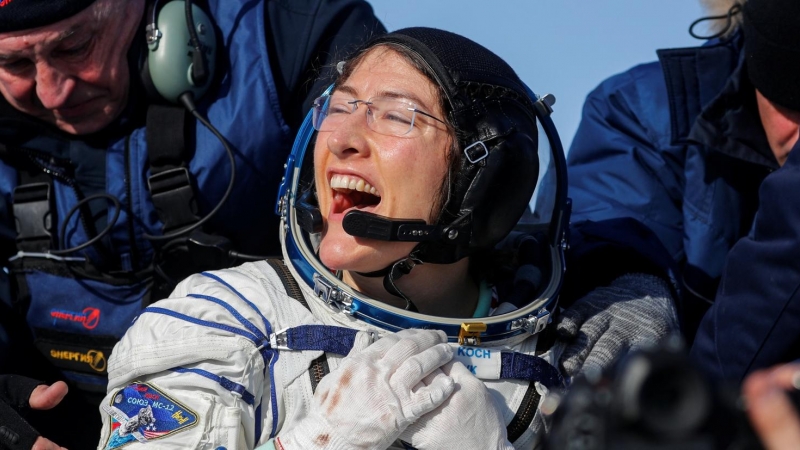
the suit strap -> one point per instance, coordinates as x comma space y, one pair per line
319, 367
170, 183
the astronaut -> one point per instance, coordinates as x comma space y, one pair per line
383, 326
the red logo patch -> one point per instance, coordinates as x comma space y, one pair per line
92, 318
89, 317
5, 3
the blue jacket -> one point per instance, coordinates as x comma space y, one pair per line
755, 320
271, 63
674, 147
77, 304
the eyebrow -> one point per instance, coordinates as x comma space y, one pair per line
404, 95
346, 89
60, 38
71, 31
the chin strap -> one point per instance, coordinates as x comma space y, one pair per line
398, 269
372, 226
394, 272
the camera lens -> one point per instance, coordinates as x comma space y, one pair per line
665, 396
674, 402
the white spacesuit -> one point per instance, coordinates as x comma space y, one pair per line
160, 343
238, 358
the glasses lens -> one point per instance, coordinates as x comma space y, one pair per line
391, 117
319, 112
388, 116
330, 112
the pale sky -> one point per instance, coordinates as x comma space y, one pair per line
563, 47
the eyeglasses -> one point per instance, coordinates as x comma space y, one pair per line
385, 115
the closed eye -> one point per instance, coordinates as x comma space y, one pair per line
397, 116
15, 65
340, 108
75, 51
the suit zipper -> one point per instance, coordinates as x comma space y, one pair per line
319, 367
525, 413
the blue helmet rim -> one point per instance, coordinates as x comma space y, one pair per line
524, 320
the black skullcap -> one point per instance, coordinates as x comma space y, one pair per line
496, 129
456, 61
772, 49
16, 15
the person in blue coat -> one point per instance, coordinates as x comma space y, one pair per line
667, 165
674, 149
141, 141
755, 320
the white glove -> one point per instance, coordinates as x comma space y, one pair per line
467, 419
375, 394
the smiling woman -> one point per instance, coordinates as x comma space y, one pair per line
404, 160
380, 331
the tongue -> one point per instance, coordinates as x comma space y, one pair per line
341, 202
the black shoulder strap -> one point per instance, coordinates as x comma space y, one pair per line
33, 204
170, 182
319, 367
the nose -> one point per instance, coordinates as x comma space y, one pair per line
53, 86
350, 137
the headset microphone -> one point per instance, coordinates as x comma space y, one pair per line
372, 226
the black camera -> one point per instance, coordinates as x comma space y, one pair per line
652, 399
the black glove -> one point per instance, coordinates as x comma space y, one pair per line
15, 432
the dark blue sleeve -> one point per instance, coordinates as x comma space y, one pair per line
621, 163
8, 179
602, 251
8, 233
305, 40
755, 320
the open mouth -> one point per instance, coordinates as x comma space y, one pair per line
352, 192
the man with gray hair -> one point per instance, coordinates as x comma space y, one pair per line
134, 135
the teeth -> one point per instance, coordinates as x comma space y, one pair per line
352, 183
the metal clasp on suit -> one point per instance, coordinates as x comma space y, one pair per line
470, 333
283, 207
534, 323
332, 295
280, 340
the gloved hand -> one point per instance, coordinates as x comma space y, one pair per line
467, 419
17, 395
375, 394
634, 310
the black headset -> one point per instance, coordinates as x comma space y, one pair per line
179, 68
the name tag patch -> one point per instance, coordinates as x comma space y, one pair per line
484, 363
140, 412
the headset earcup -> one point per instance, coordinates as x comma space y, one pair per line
167, 69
